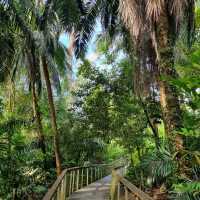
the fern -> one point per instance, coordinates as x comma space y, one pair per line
161, 165
187, 191
187, 187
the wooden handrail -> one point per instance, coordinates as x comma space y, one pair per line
122, 188
78, 177
56, 184
72, 179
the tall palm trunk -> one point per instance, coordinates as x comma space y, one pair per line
53, 115
168, 94
39, 122
135, 17
36, 109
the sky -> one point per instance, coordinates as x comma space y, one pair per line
91, 54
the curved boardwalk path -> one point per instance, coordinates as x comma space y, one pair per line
69, 181
98, 190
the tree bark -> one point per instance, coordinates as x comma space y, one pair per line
169, 100
135, 19
37, 115
53, 115
36, 109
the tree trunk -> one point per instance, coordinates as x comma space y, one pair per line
168, 94
36, 109
53, 116
37, 115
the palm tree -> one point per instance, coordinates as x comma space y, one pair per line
10, 64
160, 22
35, 80
153, 27
53, 115
41, 40
46, 25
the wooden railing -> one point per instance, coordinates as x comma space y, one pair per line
72, 179
122, 189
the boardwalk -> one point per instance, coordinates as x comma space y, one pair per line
96, 191
71, 179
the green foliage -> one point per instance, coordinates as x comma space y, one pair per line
20, 163
114, 151
187, 191
101, 119
187, 187
161, 165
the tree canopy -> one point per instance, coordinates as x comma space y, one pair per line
138, 97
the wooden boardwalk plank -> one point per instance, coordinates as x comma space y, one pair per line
99, 190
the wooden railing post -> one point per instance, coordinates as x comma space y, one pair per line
77, 180
98, 174
62, 190
58, 193
65, 187
91, 175
82, 174
73, 180
95, 177
118, 191
87, 176
130, 191
126, 193
70, 183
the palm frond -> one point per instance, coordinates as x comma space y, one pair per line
69, 12
109, 16
54, 73
186, 191
178, 8
190, 19
86, 27
183, 18
161, 165
154, 9
44, 18
81, 6
132, 15
60, 58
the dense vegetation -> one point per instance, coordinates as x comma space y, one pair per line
139, 98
